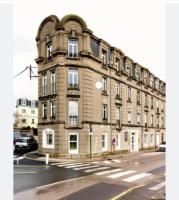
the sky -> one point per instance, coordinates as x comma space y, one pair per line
137, 28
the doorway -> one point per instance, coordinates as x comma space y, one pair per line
134, 142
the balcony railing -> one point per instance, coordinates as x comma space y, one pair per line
73, 86
73, 120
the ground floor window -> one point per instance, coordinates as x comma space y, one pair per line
152, 138
73, 143
104, 142
48, 138
118, 141
145, 138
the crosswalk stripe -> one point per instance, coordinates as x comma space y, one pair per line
96, 169
95, 162
79, 165
117, 161
120, 174
60, 163
158, 186
63, 165
136, 177
109, 171
107, 162
88, 167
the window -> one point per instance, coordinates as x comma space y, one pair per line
73, 112
44, 84
162, 119
118, 117
33, 121
33, 112
129, 94
73, 48
23, 110
128, 69
151, 81
104, 56
152, 138
117, 64
73, 143
24, 121
73, 78
157, 121
157, 84
23, 102
133, 71
145, 118
146, 102
152, 120
138, 97
145, 138
152, 102
53, 82
138, 118
129, 117
53, 109
104, 142
157, 103
44, 110
118, 141
104, 112
104, 84
33, 104
48, 138
117, 89
137, 75
126, 136
49, 50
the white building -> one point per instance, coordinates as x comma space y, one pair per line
26, 113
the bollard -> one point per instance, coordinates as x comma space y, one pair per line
47, 157
17, 162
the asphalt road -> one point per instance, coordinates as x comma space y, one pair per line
36, 175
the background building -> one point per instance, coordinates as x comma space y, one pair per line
26, 113
127, 113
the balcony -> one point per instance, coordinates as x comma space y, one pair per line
104, 92
73, 86
73, 120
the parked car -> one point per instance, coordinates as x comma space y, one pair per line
27, 143
162, 146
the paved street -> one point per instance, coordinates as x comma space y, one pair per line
131, 177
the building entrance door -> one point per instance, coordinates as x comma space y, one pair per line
134, 142
157, 139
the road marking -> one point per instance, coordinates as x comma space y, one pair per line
117, 161
25, 172
96, 169
107, 162
61, 163
69, 164
126, 192
158, 186
88, 167
80, 165
51, 184
31, 166
95, 162
19, 158
109, 171
120, 174
136, 177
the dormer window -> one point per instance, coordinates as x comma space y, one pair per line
128, 69
104, 56
73, 48
49, 50
117, 64
151, 81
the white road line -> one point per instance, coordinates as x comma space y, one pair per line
88, 167
95, 162
69, 180
158, 186
19, 158
60, 163
68, 164
120, 174
96, 169
117, 161
80, 165
136, 177
107, 162
109, 171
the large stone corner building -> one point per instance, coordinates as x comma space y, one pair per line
78, 119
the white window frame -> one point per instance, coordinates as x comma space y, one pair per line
53, 82
70, 102
44, 85
43, 109
145, 139
105, 142
73, 151
157, 103
49, 50
32, 112
104, 81
23, 102
129, 117
53, 107
145, 117
117, 64
44, 138
152, 139
73, 44
117, 113
118, 141
138, 118
118, 88
73, 73
104, 56
129, 93
104, 112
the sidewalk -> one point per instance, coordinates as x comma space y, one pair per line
35, 156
